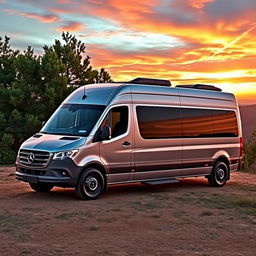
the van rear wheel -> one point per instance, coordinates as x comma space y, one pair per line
219, 175
90, 185
41, 187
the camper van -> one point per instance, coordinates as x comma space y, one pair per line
143, 131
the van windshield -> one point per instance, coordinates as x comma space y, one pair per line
73, 119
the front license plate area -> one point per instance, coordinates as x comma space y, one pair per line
30, 179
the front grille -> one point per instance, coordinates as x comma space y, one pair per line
34, 158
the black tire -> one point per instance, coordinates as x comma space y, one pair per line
41, 187
90, 185
219, 175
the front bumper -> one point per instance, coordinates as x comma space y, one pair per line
63, 173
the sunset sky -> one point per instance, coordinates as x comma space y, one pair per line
184, 41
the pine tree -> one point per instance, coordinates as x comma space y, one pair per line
32, 87
7, 77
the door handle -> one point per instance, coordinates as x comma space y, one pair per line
126, 143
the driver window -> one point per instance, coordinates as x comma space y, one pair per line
117, 120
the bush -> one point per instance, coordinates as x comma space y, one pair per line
7, 155
250, 154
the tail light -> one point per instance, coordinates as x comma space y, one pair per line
241, 153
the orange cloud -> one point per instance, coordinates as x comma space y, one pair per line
71, 27
231, 75
125, 10
47, 18
216, 41
142, 6
199, 3
190, 24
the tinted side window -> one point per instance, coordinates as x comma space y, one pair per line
159, 122
208, 123
171, 122
197, 122
225, 123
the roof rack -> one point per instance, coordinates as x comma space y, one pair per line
151, 81
200, 86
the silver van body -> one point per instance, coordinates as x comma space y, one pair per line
151, 148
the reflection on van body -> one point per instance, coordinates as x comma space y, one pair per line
139, 131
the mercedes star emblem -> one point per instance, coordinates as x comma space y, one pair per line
31, 158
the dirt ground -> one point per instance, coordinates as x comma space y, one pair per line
186, 218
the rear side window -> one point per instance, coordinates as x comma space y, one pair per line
208, 123
197, 122
172, 122
159, 122
225, 123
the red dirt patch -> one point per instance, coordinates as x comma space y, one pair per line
187, 218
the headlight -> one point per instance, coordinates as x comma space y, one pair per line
65, 154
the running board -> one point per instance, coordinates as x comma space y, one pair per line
159, 182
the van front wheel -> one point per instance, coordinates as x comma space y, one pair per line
219, 175
90, 185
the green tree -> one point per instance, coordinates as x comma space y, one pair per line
23, 117
100, 77
32, 87
7, 66
7, 77
54, 88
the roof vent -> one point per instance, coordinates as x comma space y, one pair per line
151, 81
200, 86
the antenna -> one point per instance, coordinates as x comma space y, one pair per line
84, 95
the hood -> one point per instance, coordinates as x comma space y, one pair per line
53, 143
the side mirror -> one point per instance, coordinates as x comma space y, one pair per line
105, 133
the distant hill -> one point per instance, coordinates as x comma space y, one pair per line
248, 116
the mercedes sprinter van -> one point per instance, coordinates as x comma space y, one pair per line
139, 131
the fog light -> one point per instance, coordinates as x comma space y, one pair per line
64, 173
